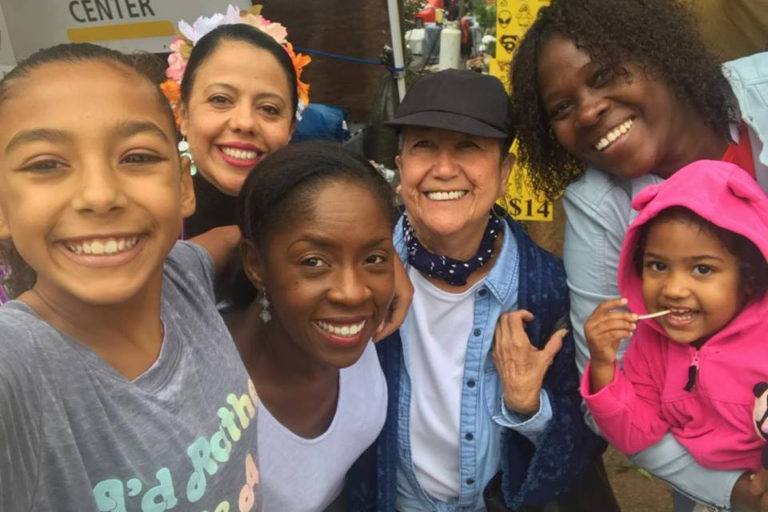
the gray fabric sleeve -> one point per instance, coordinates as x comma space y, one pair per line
20, 406
670, 461
594, 231
189, 258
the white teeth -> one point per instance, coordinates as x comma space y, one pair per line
446, 196
240, 154
103, 247
682, 313
346, 331
613, 135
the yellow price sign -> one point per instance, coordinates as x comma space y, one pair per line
513, 18
520, 200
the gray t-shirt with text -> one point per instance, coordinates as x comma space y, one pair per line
77, 436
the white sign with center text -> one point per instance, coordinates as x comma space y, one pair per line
126, 25
7, 58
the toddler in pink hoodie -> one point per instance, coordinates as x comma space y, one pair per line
697, 251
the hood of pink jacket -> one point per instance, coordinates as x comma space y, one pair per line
720, 192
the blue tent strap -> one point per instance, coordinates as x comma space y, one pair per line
347, 58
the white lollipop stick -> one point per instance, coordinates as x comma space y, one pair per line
654, 315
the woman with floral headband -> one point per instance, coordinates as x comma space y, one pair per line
235, 84
233, 81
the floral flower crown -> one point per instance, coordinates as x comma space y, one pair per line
181, 48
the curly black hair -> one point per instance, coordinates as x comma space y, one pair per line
658, 35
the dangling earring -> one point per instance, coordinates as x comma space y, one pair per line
185, 152
264, 314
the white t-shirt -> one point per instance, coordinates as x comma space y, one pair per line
437, 328
306, 475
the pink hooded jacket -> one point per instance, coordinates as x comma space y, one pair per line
646, 399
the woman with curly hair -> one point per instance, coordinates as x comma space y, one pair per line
612, 96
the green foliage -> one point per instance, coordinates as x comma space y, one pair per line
485, 15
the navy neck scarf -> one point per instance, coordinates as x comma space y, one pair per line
453, 272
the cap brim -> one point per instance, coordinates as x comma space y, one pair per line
448, 121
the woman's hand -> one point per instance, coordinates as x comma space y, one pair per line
750, 493
522, 366
400, 304
758, 487
220, 243
604, 329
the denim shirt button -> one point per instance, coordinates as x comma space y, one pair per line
483, 292
477, 332
470, 481
471, 383
469, 436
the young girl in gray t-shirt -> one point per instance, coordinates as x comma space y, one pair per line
120, 387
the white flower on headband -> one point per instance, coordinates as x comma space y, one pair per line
203, 24
300, 106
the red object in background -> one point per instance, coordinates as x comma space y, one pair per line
427, 15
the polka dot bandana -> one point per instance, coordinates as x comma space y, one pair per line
453, 272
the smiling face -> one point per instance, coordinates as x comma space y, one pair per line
687, 269
239, 111
626, 125
329, 275
90, 183
449, 181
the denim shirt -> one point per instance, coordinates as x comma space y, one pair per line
483, 414
531, 474
599, 212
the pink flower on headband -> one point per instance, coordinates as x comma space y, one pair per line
275, 30
176, 62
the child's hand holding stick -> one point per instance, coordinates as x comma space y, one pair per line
604, 329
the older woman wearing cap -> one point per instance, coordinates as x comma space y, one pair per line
469, 410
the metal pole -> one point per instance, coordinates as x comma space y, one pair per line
397, 45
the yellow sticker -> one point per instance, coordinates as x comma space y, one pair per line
513, 18
501, 70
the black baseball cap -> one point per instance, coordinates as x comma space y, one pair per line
457, 100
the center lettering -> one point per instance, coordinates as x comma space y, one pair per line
85, 11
